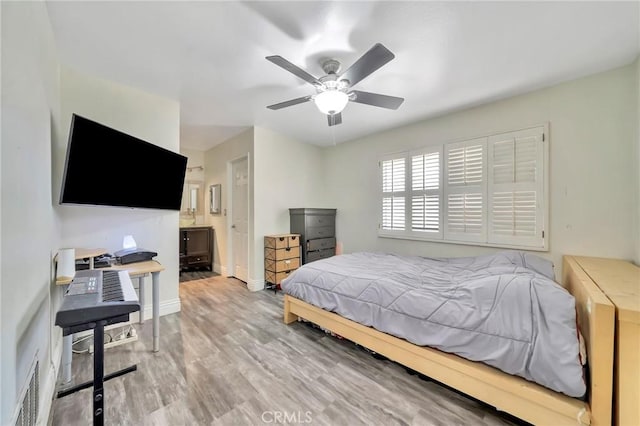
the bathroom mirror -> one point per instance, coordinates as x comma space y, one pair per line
215, 198
192, 198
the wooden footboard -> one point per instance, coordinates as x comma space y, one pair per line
512, 394
596, 321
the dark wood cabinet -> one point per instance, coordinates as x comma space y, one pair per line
196, 247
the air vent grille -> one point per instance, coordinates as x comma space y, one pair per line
29, 411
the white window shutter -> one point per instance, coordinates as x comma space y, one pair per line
393, 185
516, 188
426, 192
465, 189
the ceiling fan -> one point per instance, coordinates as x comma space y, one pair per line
334, 91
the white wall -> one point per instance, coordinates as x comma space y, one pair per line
145, 116
637, 165
284, 174
29, 228
288, 174
593, 122
215, 166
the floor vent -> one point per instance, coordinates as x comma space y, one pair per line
29, 411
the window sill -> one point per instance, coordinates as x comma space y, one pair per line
465, 243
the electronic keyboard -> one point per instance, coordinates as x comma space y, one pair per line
96, 295
94, 299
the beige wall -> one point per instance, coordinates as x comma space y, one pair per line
593, 125
151, 118
215, 165
288, 174
29, 228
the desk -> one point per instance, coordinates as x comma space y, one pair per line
136, 270
82, 253
140, 270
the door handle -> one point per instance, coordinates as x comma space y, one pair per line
233, 227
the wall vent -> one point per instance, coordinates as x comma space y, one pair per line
30, 401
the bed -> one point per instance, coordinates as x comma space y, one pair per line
313, 287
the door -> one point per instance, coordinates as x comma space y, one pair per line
197, 242
240, 218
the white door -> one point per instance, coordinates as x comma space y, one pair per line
240, 218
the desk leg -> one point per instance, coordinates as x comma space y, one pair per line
141, 297
155, 279
66, 358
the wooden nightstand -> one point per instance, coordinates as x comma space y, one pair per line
281, 257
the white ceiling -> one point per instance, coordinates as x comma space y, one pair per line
449, 55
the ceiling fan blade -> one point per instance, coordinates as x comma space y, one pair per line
291, 102
334, 119
375, 99
376, 57
294, 69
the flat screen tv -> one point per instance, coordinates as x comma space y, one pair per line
106, 167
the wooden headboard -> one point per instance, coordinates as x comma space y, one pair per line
596, 321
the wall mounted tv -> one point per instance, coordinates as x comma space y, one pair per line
106, 167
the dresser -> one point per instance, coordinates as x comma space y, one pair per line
196, 247
619, 280
317, 229
281, 257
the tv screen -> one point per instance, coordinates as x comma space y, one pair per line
106, 167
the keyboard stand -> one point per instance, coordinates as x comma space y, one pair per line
98, 370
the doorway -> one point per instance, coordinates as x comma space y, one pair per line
238, 219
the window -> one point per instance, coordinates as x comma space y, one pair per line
516, 188
393, 193
486, 191
426, 193
465, 188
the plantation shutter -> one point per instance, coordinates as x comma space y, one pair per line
426, 192
516, 188
394, 176
465, 189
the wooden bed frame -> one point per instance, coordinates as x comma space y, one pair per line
517, 396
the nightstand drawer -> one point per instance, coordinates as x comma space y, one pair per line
276, 277
282, 254
282, 265
282, 241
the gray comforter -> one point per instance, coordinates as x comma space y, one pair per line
504, 310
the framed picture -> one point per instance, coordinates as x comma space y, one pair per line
215, 197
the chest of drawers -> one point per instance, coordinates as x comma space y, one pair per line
317, 229
281, 257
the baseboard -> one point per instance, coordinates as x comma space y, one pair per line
219, 269
166, 307
47, 395
49, 387
255, 285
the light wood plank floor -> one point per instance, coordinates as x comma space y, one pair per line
227, 359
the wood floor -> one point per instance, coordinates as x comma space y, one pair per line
227, 359
196, 274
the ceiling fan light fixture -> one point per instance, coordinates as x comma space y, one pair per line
331, 101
